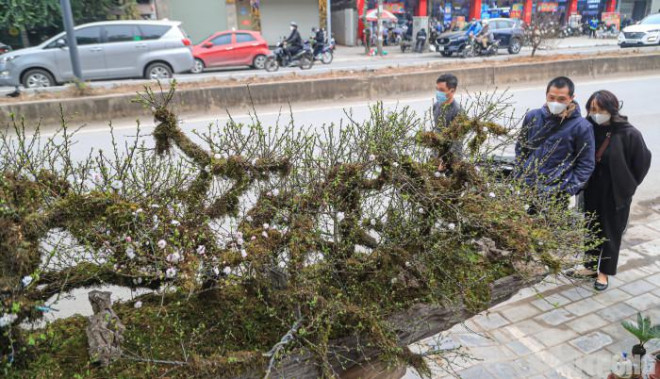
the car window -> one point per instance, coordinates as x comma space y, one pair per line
651, 20
88, 36
224, 39
244, 37
122, 33
150, 32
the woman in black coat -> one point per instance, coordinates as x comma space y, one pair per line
622, 161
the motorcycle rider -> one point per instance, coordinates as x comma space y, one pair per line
474, 28
319, 40
485, 36
294, 42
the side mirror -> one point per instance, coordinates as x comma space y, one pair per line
207, 45
60, 43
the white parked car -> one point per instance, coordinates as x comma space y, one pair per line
645, 33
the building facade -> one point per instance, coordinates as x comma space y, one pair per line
201, 18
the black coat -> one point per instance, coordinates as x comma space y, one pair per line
628, 160
294, 39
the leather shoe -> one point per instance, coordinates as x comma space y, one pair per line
601, 286
583, 273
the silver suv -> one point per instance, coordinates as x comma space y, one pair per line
108, 50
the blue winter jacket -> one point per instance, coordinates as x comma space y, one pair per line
555, 155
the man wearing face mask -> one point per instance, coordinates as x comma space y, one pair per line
555, 152
446, 108
294, 41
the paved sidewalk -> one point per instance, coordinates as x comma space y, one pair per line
559, 328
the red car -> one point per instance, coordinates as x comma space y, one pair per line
231, 48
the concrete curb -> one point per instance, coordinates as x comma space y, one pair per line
371, 86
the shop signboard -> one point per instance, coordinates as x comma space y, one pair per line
516, 11
395, 7
547, 7
447, 13
611, 18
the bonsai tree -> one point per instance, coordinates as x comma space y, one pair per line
643, 331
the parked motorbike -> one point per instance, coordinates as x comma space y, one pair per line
607, 31
406, 43
280, 58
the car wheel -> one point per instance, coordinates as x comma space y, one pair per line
259, 62
271, 64
446, 54
515, 46
158, 71
38, 78
327, 57
198, 66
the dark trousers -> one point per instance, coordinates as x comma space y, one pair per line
609, 224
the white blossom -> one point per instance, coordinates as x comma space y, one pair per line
408, 264
372, 157
137, 305
139, 210
282, 264
116, 184
269, 194
420, 211
253, 238
395, 164
373, 222
201, 249
226, 270
162, 244
174, 258
239, 234
170, 272
26, 280
492, 194
248, 219
266, 226
240, 241
437, 174
526, 207
130, 253
175, 223
216, 271
485, 129
276, 192
394, 280
155, 206
155, 219
217, 156
7, 319
243, 253
451, 226
265, 234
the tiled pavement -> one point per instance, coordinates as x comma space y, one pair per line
558, 329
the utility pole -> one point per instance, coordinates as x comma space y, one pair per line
67, 16
379, 29
328, 21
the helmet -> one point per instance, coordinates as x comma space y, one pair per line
293, 23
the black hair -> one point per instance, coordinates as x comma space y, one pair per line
606, 100
449, 79
562, 82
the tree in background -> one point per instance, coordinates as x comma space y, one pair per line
542, 30
25, 15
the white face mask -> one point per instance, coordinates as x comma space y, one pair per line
600, 118
556, 108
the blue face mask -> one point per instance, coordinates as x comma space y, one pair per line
440, 97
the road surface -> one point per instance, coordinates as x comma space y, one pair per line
353, 58
639, 95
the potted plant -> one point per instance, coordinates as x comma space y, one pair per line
644, 332
656, 370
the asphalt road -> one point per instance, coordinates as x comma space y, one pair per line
639, 95
347, 58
